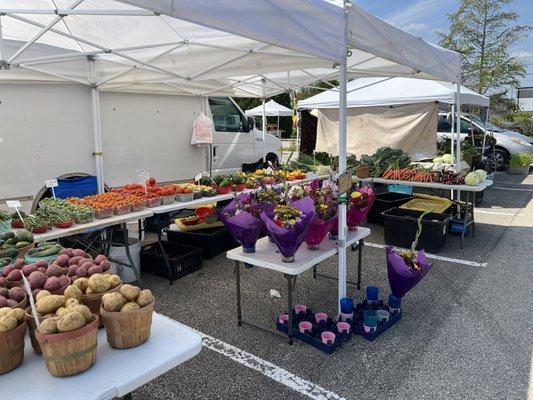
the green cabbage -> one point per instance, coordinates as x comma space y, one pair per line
438, 160
448, 159
472, 179
482, 174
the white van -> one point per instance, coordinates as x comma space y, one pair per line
47, 132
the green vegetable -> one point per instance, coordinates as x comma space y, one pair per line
520, 160
4, 215
5, 253
385, 158
472, 179
482, 174
20, 245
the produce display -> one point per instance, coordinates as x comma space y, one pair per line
11, 243
10, 318
13, 297
129, 298
44, 250
62, 313
5, 220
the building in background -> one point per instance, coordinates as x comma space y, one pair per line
525, 98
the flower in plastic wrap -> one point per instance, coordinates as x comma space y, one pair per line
289, 225
359, 204
405, 270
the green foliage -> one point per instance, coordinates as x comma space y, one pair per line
483, 32
520, 160
383, 158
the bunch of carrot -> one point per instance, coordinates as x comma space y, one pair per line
409, 174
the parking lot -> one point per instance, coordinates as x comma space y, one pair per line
465, 330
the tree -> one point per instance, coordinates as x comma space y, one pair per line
484, 32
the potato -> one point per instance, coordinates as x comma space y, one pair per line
131, 306
7, 324
12, 303
49, 304
114, 280
18, 314
15, 275
82, 284
83, 310
98, 283
145, 298
61, 311
48, 326
113, 301
130, 292
95, 269
62, 260
54, 270
63, 281
52, 284
71, 302
17, 293
70, 321
37, 280
3, 301
89, 291
73, 292
41, 294
5, 311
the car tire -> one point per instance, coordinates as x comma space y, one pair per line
500, 158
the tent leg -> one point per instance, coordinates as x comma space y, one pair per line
458, 132
1, 44
343, 81
98, 139
485, 134
452, 144
263, 116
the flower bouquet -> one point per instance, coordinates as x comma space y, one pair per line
405, 269
241, 217
288, 224
358, 206
325, 203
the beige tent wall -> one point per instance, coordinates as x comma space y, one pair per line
412, 128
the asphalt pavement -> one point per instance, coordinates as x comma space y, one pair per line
465, 332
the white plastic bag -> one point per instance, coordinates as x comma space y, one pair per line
202, 132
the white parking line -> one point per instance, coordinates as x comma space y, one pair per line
434, 256
516, 189
268, 369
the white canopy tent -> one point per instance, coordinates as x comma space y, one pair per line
269, 109
247, 48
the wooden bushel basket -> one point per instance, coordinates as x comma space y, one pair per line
128, 329
70, 353
32, 327
93, 301
12, 348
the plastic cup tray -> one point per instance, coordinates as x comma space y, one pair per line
357, 322
313, 338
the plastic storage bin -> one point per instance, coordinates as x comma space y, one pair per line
183, 260
212, 241
401, 189
101, 213
401, 226
384, 202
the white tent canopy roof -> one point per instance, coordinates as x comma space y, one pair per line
369, 92
205, 47
272, 109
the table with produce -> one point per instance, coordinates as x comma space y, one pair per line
61, 304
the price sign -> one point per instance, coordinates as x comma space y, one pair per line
143, 176
345, 182
51, 183
16, 205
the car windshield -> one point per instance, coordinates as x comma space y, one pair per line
490, 126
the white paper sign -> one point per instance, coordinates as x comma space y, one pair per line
13, 204
143, 177
51, 183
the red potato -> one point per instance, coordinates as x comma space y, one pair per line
54, 270
3, 302
7, 270
94, 269
28, 269
74, 260
37, 280
81, 272
4, 292
2, 282
17, 293
72, 270
41, 264
19, 263
12, 303
87, 265
99, 258
15, 275
106, 265
43, 270
84, 260
35, 292
67, 252
78, 253
52, 284
63, 280
62, 260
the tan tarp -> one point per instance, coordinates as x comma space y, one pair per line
412, 128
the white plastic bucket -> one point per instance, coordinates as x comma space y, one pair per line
119, 253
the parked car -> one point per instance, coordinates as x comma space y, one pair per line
507, 142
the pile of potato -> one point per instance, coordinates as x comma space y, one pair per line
97, 283
10, 318
130, 298
63, 313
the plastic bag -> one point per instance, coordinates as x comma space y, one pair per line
202, 132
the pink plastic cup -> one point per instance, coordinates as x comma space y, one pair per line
327, 337
300, 309
321, 317
305, 326
343, 327
283, 318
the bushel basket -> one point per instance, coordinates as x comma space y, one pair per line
70, 353
93, 301
12, 348
128, 329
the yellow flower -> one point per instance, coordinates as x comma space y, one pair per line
356, 195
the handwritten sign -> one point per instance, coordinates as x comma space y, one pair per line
16, 205
345, 182
51, 183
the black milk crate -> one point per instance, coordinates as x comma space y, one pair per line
183, 260
401, 226
212, 241
384, 202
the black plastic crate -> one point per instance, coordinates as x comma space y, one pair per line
212, 241
183, 260
401, 226
384, 202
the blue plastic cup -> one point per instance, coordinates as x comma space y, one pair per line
346, 305
370, 318
372, 293
394, 302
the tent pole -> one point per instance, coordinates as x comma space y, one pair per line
485, 134
263, 115
452, 137
343, 81
458, 126
1, 43
97, 128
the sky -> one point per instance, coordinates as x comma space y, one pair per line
425, 17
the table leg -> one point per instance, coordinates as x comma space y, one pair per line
140, 229
238, 288
472, 215
162, 248
359, 262
314, 271
125, 236
127, 397
291, 280
466, 219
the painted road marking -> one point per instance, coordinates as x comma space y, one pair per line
272, 371
494, 212
434, 256
516, 189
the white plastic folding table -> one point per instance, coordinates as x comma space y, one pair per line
116, 373
267, 256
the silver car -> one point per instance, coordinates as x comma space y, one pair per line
507, 142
